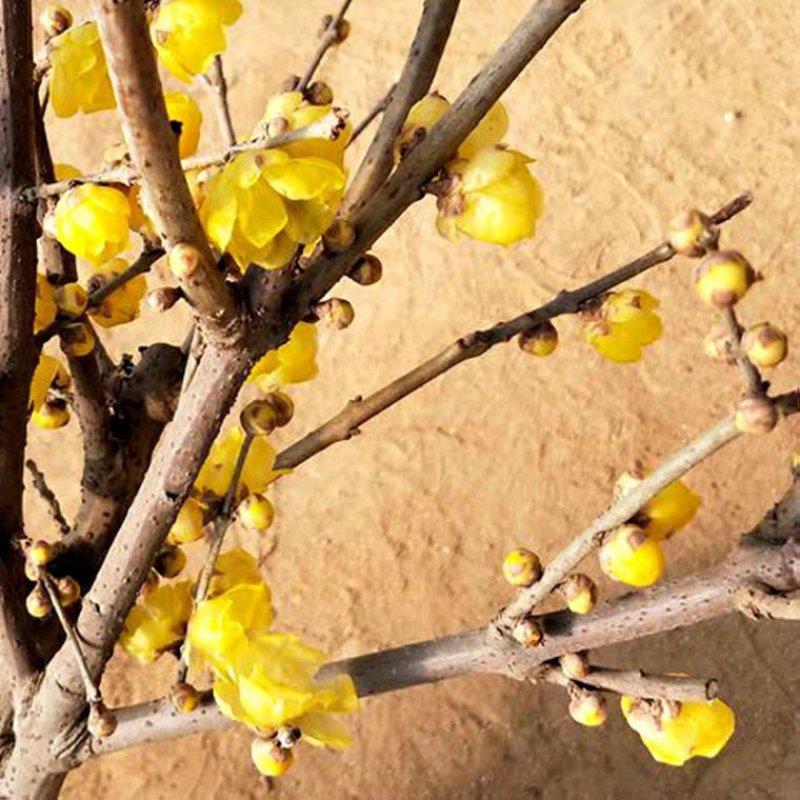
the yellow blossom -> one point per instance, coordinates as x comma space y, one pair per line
623, 325
261, 206
188, 526
673, 736
670, 510
233, 568
187, 34
46, 306
492, 197
45, 373
158, 621
184, 114
79, 79
630, 556
293, 362
217, 472
93, 222
122, 305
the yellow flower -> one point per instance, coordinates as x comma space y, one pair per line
47, 370
122, 305
185, 116
46, 306
293, 362
187, 34
289, 112
79, 79
274, 685
670, 510
623, 325
158, 621
630, 556
234, 568
217, 472
261, 206
673, 736
188, 527
492, 197
93, 222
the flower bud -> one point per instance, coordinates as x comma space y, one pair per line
335, 313
580, 593
31, 571
290, 84
102, 722
71, 299
258, 418
367, 270
256, 513
170, 561
42, 552
55, 19
722, 278
282, 405
755, 414
719, 345
38, 602
319, 94
342, 28
575, 665
528, 632
52, 414
630, 556
588, 708
69, 591
183, 260
269, 758
522, 567
691, 233
765, 345
339, 236
184, 697
540, 340
163, 299
77, 340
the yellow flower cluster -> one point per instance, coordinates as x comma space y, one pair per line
187, 34
675, 732
265, 680
79, 80
489, 192
623, 325
157, 623
262, 206
293, 362
122, 305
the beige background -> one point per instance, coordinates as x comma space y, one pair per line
398, 535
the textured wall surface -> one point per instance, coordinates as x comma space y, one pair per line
635, 110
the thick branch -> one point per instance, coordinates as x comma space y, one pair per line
415, 81
154, 152
357, 412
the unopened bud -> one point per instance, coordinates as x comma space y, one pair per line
521, 567
765, 345
170, 561
258, 418
77, 340
722, 278
256, 513
540, 340
55, 19
38, 602
270, 758
580, 593
588, 708
282, 405
755, 414
319, 94
163, 299
691, 233
184, 697
336, 313
71, 299
575, 665
42, 552
69, 591
367, 270
339, 236
528, 632
184, 260
101, 723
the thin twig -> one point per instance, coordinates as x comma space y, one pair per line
623, 509
221, 525
49, 497
92, 692
358, 411
216, 80
328, 39
635, 683
377, 109
328, 127
418, 73
750, 373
